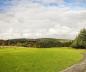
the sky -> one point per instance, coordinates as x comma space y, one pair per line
42, 18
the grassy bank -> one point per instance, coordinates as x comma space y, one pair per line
38, 60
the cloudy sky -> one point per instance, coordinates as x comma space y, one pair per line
41, 18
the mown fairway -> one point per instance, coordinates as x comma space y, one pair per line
37, 60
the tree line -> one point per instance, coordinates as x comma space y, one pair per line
38, 43
78, 42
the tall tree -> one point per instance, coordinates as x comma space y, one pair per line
80, 41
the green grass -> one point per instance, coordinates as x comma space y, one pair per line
38, 60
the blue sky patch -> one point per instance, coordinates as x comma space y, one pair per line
6, 4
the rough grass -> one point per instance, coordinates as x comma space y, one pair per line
38, 60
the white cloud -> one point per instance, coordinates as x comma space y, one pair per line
48, 1
33, 21
52, 1
58, 29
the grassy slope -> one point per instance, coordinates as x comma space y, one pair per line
37, 60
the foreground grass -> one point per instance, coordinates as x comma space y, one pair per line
37, 60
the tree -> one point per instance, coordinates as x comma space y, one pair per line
80, 41
48, 43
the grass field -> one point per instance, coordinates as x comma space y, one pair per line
38, 60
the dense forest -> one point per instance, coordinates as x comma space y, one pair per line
39, 43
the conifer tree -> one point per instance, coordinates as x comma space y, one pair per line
80, 41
